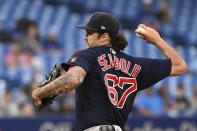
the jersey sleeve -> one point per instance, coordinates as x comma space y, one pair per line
82, 58
153, 70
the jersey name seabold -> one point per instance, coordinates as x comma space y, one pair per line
118, 64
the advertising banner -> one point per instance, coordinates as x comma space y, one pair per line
60, 123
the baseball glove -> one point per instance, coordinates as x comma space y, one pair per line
55, 73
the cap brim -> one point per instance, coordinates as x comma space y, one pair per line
85, 27
81, 26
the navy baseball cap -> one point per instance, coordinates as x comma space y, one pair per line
102, 22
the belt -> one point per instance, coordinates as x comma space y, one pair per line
104, 128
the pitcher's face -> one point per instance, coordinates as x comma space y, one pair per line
92, 39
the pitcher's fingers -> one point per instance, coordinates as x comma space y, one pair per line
140, 30
143, 26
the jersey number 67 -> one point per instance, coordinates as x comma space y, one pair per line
120, 82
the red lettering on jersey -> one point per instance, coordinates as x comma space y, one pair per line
116, 63
123, 64
103, 62
131, 89
127, 69
135, 71
111, 89
111, 60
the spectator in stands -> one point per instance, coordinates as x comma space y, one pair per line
163, 13
166, 98
8, 106
21, 27
27, 109
193, 101
148, 16
28, 90
5, 36
182, 104
149, 104
12, 58
192, 67
17, 62
68, 103
16, 56
30, 41
13, 61
51, 43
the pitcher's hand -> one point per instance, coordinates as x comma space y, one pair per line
148, 34
37, 101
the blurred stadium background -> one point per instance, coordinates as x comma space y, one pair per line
36, 34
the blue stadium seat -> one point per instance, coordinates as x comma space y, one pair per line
35, 10
131, 9
127, 33
91, 5
105, 4
45, 20
3, 49
19, 11
7, 11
